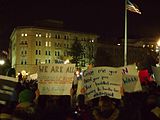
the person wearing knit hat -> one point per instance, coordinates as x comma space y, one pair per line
26, 106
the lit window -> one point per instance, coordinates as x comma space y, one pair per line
147, 45
40, 35
36, 35
25, 34
92, 40
46, 35
49, 44
49, 35
22, 34
143, 46
46, 43
152, 46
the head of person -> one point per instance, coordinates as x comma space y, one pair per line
106, 103
26, 95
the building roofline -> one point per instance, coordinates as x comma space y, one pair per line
48, 28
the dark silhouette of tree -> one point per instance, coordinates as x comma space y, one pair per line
76, 52
4, 68
11, 72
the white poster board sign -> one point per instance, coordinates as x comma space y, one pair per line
131, 82
55, 79
102, 81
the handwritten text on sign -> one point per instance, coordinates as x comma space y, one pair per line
101, 81
131, 82
55, 79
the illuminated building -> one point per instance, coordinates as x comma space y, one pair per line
31, 46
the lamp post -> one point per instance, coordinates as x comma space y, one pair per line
158, 43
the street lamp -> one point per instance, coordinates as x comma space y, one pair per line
158, 44
2, 62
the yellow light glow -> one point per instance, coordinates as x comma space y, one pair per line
158, 43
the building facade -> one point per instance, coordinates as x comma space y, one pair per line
31, 46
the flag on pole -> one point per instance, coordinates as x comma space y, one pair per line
133, 8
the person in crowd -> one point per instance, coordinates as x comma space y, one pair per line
25, 109
150, 107
106, 110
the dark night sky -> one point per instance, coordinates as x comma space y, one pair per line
97, 16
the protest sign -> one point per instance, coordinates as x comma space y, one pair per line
102, 81
156, 72
131, 82
7, 88
55, 79
32, 77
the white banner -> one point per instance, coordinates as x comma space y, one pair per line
55, 79
102, 81
131, 82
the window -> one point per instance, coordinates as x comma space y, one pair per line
46, 52
39, 52
57, 53
49, 44
66, 37
46, 35
21, 62
57, 36
40, 35
36, 43
49, 61
36, 52
36, 61
49, 52
25, 42
39, 43
46, 61
24, 34
25, 62
49, 35
25, 52
46, 43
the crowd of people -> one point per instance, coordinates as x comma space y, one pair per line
27, 104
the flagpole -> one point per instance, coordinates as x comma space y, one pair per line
125, 35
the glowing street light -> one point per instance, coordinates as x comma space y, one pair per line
2, 62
